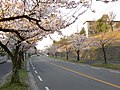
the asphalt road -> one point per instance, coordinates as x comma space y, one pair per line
51, 74
5, 68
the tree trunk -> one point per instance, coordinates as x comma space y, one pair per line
15, 72
22, 56
78, 56
20, 59
67, 55
13, 55
19, 62
111, 27
61, 54
56, 55
52, 55
104, 55
16, 65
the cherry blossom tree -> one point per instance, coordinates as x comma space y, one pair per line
27, 21
78, 43
65, 45
104, 40
52, 50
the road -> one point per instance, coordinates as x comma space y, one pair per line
51, 74
4, 70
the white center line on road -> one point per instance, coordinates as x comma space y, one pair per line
33, 67
47, 88
40, 78
35, 71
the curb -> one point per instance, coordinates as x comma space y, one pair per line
4, 78
3, 62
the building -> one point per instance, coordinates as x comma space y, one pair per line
89, 27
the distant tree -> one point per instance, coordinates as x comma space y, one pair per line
111, 16
104, 40
117, 25
83, 31
105, 23
101, 25
52, 50
78, 43
65, 45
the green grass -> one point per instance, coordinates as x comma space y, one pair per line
68, 60
109, 66
16, 86
23, 75
13, 86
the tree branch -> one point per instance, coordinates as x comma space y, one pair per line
19, 17
6, 49
12, 30
42, 27
26, 17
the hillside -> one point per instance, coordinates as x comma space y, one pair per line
112, 50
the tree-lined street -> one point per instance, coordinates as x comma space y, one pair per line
25, 23
53, 74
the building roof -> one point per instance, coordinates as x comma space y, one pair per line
94, 21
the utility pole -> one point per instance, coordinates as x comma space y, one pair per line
77, 28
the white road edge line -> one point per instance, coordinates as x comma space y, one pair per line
47, 88
114, 71
95, 68
35, 71
72, 63
40, 78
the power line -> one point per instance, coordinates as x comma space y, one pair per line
109, 7
113, 4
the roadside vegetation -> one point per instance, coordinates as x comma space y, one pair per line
16, 86
109, 66
103, 65
101, 48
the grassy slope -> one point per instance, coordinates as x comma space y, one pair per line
109, 66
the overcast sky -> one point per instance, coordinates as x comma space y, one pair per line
100, 9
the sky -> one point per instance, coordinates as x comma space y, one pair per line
100, 9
